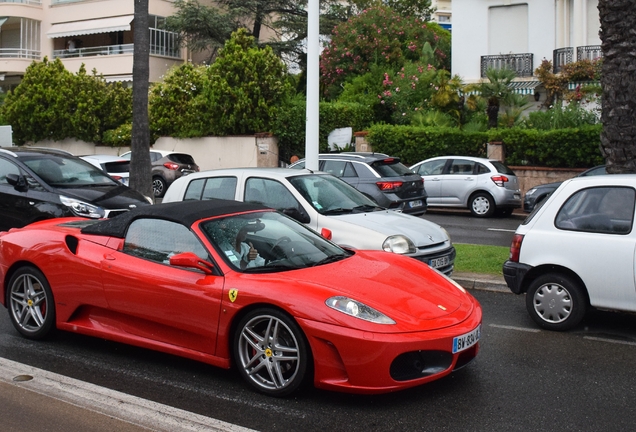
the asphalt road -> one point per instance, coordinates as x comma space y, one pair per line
523, 379
465, 228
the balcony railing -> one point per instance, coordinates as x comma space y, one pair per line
29, 2
20, 53
590, 52
560, 57
563, 56
522, 64
94, 51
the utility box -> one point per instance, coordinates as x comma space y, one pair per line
6, 136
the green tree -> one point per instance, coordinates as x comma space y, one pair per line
380, 36
52, 103
496, 91
202, 28
177, 107
247, 86
416, 8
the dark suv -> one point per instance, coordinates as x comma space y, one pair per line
167, 166
381, 177
37, 184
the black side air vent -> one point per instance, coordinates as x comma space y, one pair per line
71, 244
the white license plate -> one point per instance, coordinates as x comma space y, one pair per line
416, 203
460, 343
439, 262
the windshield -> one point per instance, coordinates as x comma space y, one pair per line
330, 195
67, 171
269, 241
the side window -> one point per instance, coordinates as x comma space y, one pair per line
194, 190
269, 192
435, 167
213, 187
608, 210
334, 167
482, 169
462, 166
349, 171
7, 168
363, 170
157, 240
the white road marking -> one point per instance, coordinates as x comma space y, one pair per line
525, 329
500, 229
138, 411
609, 340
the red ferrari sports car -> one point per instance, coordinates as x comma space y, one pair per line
228, 283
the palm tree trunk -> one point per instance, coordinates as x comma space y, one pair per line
140, 177
618, 80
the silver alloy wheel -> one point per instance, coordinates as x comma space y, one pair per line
29, 303
481, 205
552, 302
158, 186
269, 353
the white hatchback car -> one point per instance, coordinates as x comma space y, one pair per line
320, 200
577, 250
484, 186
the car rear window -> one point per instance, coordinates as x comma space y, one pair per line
391, 168
181, 158
501, 168
117, 167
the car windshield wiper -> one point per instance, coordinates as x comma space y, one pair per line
329, 259
335, 211
367, 208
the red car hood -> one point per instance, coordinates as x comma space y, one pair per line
408, 291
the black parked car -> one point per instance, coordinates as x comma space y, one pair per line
382, 178
38, 184
539, 193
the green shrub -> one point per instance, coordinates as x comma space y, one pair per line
289, 126
120, 137
565, 148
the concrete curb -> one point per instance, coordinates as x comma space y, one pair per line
483, 282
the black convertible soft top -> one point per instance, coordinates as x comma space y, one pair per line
183, 212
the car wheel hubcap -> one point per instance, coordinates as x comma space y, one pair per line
28, 303
268, 352
552, 303
481, 205
157, 185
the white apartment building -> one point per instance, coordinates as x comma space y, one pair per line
98, 33
519, 35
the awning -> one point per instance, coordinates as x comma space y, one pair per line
102, 25
118, 78
524, 87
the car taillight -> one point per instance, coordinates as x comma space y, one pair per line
387, 186
171, 166
515, 247
500, 180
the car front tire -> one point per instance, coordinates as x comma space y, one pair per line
271, 352
30, 302
481, 205
556, 302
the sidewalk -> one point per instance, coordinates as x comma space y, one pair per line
481, 281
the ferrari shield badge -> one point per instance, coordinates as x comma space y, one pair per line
233, 294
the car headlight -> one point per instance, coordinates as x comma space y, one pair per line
531, 192
83, 209
447, 235
358, 310
398, 244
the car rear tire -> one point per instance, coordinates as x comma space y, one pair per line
556, 302
159, 186
481, 204
30, 303
271, 352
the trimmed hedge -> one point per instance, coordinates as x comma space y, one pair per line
564, 148
289, 127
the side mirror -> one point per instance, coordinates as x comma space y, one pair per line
297, 214
326, 233
18, 182
191, 260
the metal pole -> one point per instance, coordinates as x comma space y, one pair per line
313, 91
